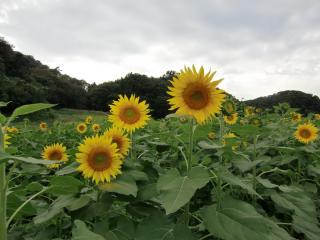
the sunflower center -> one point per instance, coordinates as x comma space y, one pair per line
230, 117
196, 96
305, 133
130, 115
81, 128
99, 159
55, 155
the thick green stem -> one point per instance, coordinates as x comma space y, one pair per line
189, 164
3, 195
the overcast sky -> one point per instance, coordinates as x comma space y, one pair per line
258, 47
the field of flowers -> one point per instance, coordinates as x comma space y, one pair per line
214, 169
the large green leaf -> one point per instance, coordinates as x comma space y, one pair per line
238, 220
124, 184
156, 227
305, 214
6, 156
30, 108
64, 185
81, 232
176, 190
228, 177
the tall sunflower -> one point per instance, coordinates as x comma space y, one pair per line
195, 94
55, 151
43, 126
81, 128
231, 119
96, 127
120, 138
99, 159
306, 133
88, 119
129, 113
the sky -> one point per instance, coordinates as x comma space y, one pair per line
259, 47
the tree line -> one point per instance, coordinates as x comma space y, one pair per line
25, 80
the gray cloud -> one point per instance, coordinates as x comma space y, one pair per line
259, 47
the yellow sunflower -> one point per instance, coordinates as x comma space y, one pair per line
249, 111
99, 159
306, 133
43, 126
81, 128
6, 140
229, 106
88, 120
231, 119
55, 152
317, 116
195, 94
296, 117
120, 138
96, 127
129, 113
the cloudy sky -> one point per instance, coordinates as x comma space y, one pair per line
258, 47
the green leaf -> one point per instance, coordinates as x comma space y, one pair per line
266, 183
71, 168
2, 118
228, 177
156, 227
6, 156
207, 145
238, 220
30, 108
176, 190
306, 225
138, 175
81, 232
4, 104
79, 203
34, 187
245, 165
56, 208
245, 130
181, 231
124, 184
64, 185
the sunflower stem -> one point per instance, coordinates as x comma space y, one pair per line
189, 163
3, 189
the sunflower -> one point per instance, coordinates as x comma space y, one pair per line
229, 106
81, 128
211, 135
296, 117
6, 140
119, 137
249, 111
88, 120
231, 119
12, 130
317, 116
129, 113
306, 133
43, 126
55, 152
195, 94
99, 159
96, 127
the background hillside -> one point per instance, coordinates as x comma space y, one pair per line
25, 80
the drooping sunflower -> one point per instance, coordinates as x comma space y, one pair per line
317, 116
296, 117
129, 113
195, 94
88, 119
96, 127
306, 133
99, 159
55, 151
231, 119
43, 126
81, 128
120, 138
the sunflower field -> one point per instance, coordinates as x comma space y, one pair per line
211, 170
